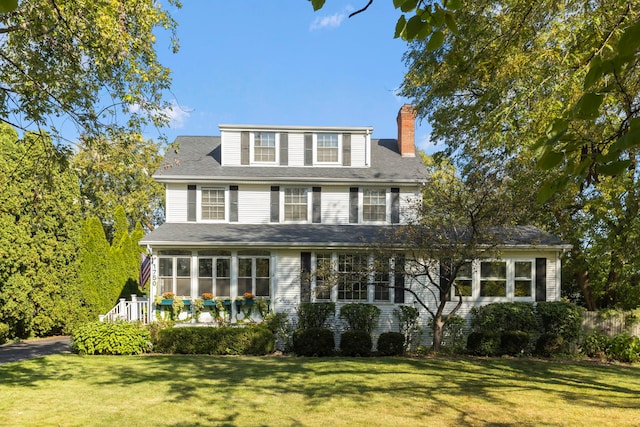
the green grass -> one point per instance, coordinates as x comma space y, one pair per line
70, 390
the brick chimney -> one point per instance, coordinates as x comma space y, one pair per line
406, 131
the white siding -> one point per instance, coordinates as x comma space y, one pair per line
296, 149
408, 202
286, 296
254, 204
359, 150
335, 205
176, 203
230, 148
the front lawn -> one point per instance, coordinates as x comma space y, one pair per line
69, 390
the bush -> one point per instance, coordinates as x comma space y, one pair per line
279, 325
561, 318
315, 315
251, 340
360, 317
355, 343
453, 337
111, 338
483, 343
596, 344
4, 333
391, 344
514, 343
506, 316
549, 344
313, 342
624, 348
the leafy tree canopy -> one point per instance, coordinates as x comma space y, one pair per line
61, 59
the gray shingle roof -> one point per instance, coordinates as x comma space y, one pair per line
306, 235
198, 158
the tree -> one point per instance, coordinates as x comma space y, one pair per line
457, 221
83, 61
39, 218
594, 47
119, 173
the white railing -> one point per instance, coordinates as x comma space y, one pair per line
136, 310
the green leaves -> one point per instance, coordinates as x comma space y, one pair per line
317, 4
8, 5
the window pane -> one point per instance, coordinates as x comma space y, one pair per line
327, 149
183, 287
205, 274
223, 288
522, 288
523, 278
464, 281
212, 203
381, 280
205, 285
165, 285
353, 277
374, 204
244, 267
493, 279
262, 287
183, 267
223, 268
166, 267
295, 204
264, 147
262, 267
244, 285
323, 276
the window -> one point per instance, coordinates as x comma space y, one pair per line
523, 279
464, 280
381, 280
253, 275
212, 203
264, 147
323, 276
352, 282
295, 204
175, 275
327, 148
214, 275
374, 206
493, 279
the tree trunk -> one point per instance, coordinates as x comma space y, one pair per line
438, 325
582, 277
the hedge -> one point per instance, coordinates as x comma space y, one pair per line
250, 340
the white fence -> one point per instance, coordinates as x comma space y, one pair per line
136, 310
611, 324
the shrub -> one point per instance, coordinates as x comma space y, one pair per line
513, 343
279, 325
111, 338
391, 344
596, 344
360, 317
313, 342
483, 343
453, 336
624, 348
315, 315
4, 333
549, 344
408, 323
506, 316
355, 343
561, 318
251, 340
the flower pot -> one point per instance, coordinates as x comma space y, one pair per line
166, 302
209, 303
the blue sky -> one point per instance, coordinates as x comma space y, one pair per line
279, 62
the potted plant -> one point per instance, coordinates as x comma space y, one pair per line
207, 298
167, 298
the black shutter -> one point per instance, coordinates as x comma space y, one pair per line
275, 203
233, 203
244, 148
284, 149
353, 205
395, 205
346, 149
541, 279
305, 280
191, 203
316, 205
398, 280
308, 149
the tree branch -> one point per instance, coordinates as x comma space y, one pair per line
361, 10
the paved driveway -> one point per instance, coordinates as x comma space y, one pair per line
15, 352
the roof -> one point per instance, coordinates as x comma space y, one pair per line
197, 158
310, 235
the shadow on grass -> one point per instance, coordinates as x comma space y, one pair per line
440, 383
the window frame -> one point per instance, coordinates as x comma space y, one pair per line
385, 196
316, 148
255, 149
254, 278
201, 203
215, 277
174, 278
307, 197
510, 282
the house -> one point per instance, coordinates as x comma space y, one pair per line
254, 209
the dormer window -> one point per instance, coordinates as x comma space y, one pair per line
327, 148
264, 147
